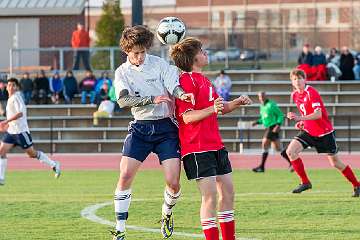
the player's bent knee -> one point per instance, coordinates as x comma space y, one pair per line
174, 185
126, 177
292, 154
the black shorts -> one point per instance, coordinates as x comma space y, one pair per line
324, 144
207, 164
269, 134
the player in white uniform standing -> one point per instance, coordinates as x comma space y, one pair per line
17, 132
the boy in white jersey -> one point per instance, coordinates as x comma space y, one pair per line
145, 83
17, 133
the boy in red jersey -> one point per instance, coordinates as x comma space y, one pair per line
316, 131
203, 153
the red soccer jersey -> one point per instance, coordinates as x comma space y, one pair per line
204, 135
307, 102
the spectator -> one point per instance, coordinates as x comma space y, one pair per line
80, 39
105, 110
223, 85
112, 97
87, 87
356, 68
99, 84
319, 65
26, 86
41, 86
333, 64
70, 87
104, 78
306, 56
56, 86
346, 64
4, 95
318, 57
104, 93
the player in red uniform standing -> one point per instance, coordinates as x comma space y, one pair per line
316, 131
202, 150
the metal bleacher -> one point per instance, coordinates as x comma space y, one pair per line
68, 128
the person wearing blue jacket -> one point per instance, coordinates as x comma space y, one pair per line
56, 86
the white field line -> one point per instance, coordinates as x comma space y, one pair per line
90, 214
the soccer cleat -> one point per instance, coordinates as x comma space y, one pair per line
2, 182
356, 192
302, 187
258, 169
118, 235
57, 169
167, 225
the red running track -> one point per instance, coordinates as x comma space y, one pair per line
111, 161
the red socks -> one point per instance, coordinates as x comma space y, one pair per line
349, 174
227, 224
210, 229
300, 170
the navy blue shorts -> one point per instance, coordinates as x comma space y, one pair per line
22, 140
157, 136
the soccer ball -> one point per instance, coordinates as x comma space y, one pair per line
170, 30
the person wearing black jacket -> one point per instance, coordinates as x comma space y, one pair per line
70, 87
41, 87
306, 56
26, 85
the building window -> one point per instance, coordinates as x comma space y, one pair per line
240, 19
275, 18
215, 19
303, 17
334, 16
227, 19
293, 40
294, 17
321, 16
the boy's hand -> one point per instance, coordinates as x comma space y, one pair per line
219, 105
243, 100
188, 97
162, 99
299, 125
4, 126
293, 116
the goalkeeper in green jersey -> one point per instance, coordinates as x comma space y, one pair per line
272, 118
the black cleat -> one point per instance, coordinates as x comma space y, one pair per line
117, 235
258, 169
302, 187
356, 192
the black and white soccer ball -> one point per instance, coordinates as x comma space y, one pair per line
170, 30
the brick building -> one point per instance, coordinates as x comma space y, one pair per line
38, 24
270, 24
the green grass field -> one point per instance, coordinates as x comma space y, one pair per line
35, 206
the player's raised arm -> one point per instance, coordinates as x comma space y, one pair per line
192, 116
236, 103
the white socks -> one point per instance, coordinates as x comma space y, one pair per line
45, 159
122, 201
169, 201
3, 166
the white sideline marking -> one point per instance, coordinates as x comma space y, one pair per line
90, 214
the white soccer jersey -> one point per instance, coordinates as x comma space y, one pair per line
153, 78
15, 104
